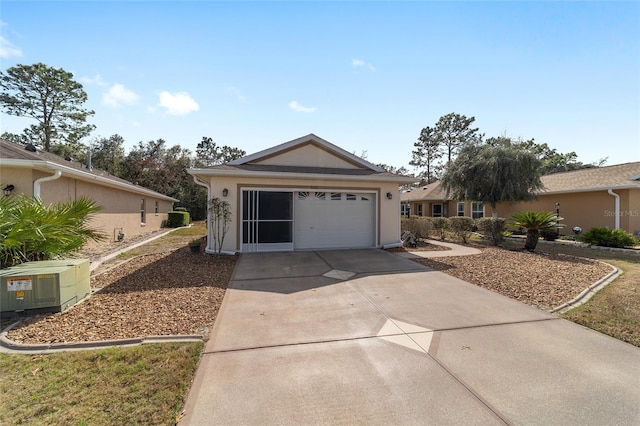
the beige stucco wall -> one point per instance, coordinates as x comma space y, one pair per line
307, 156
120, 209
388, 210
586, 209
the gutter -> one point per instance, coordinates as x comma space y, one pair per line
38, 182
68, 171
304, 176
617, 208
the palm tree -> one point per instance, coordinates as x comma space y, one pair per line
30, 230
534, 222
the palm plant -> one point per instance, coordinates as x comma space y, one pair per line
534, 222
29, 230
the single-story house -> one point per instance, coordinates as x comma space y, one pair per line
601, 196
304, 194
127, 209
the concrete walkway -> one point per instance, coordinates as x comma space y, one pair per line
454, 250
368, 337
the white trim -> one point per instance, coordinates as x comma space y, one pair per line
433, 208
464, 208
616, 207
303, 140
300, 176
84, 176
483, 209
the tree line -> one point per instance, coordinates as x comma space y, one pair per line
54, 100
452, 150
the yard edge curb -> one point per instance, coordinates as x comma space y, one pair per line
589, 292
9, 346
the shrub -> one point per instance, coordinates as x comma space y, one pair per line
492, 229
418, 226
606, 237
549, 234
440, 226
31, 230
462, 227
177, 219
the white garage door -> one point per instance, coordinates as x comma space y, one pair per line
334, 220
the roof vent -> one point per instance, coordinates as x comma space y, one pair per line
68, 158
31, 148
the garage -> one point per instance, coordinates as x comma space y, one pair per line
304, 194
277, 220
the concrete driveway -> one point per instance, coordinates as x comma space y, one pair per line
368, 337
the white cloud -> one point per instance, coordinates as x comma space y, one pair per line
117, 95
358, 63
294, 105
179, 103
237, 93
96, 79
8, 50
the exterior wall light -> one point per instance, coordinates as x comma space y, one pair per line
389, 195
7, 189
225, 192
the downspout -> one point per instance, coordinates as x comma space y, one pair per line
617, 208
38, 182
209, 234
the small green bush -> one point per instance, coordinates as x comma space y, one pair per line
440, 225
462, 227
606, 237
492, 229
178, 219
418, 226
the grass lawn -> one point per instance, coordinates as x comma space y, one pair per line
137, 385
615, 310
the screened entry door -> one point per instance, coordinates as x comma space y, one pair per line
267, 220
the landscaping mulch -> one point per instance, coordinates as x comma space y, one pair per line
170, 293
543, 280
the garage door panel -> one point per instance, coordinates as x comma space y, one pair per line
334, 220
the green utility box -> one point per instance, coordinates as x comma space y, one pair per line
53, 285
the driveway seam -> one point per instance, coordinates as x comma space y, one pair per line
351, 339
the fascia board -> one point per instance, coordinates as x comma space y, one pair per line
593, 189
88, 177
304, 176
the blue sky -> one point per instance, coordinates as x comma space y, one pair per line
366, 76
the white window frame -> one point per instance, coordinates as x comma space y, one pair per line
143, 213
476, 213
419, 209
458, 210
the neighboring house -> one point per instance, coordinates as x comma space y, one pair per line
431, 200
305, 194
602, 196
127, 209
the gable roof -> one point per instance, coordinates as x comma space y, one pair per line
309, 139
262, 164
14, 155
619, 176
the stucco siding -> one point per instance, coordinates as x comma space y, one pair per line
307, 156
20, 178
586, 209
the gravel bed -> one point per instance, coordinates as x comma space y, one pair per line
171, 293
543, 280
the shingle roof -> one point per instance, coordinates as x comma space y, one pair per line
598, 178
300, 169
432, 191
616, 176
12, 151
